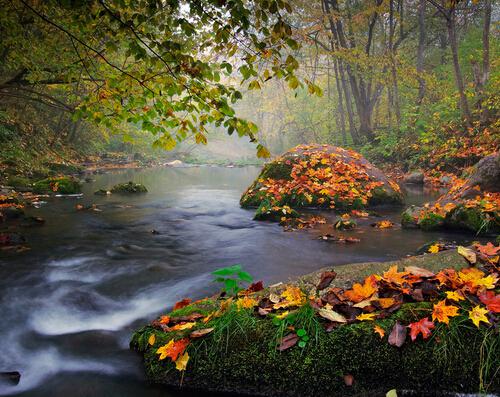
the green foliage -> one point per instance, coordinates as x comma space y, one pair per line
232, 278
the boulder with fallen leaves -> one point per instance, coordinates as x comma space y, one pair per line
472, 203
405, 327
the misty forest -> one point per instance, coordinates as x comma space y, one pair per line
281, 198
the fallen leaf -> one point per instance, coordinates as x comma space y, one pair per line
164, 320
288, 341
326, 278
392, 393
489, 249
383, 224
454, 296
443, 312
200, 332
424, 327
434, 248
491, 301
181, 362
468, 254
348, 380
182, 326
152, 339
418, 271
360, 292
292, 296
366, 317
246, 303
331, 315
173, 349
379, 330
478, 314
398, 335
182, 303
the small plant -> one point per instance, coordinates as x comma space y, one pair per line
232, 277
303, 337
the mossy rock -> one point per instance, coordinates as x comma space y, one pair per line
129, 187
102, 192
18, 182
431, 221
58, 185
242, 358
63, 168
342, 167
473, 219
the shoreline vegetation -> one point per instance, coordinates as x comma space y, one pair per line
413, 329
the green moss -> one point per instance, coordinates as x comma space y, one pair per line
461, 361
431, 221
381, 195
61, 185
61, 168
129, 187
473, 219
18, 182
276, 170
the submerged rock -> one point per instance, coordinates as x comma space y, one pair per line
59, 185
415, 178
129, 187
473, 204
321, 176
11, 377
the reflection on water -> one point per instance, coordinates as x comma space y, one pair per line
69, 305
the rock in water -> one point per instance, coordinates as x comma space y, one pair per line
10, 377
415, 178
129, 187
473, 204
321, 176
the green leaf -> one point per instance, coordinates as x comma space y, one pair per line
301, 332
244, 276
227, 271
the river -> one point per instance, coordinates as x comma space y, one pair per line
69, 305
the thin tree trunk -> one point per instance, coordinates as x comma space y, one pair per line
464, 104
340, 107
420, 52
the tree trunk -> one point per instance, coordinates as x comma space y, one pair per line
420, 52
452, 36
340, 107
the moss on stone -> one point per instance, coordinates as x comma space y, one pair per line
59, 185
276, 170
472, 219
451, 361
129, 187
431, 221
381, 195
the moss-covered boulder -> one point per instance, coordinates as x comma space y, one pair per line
473, 204
321, 176
58, 185
238, 354
129, 187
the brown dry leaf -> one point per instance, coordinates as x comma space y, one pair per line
418, 271
398, 335
329, 314
468, 254
288, 341
348, 380
201, 332
326, 279
182, 303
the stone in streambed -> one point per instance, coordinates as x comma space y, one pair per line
12, 377
129, 187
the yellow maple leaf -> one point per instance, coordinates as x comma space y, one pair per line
366, 317
181, 362
360, 292
443, 312
292, 296
246, 303
478, 314
434, 249
454, 296
164, 350
182, 326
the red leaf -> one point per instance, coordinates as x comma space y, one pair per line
288, 341
256, 287
348, 380
398, 335
491, 301
326, 279
182, 303
423, 327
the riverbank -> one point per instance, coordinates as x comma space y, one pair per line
304, 356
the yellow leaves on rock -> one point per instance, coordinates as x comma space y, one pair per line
292, 296
473, 278
443, 312
395, 277
454, 296
434, 248
366, 317
383, 224
477, 315
468, 254
182, 326
246, 303
181, 362
360, 292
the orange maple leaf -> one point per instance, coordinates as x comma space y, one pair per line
423, 327
173, 349
443, 312
182, 303
488, 249
360, 292
395, 277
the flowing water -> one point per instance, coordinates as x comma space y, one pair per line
69, 305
